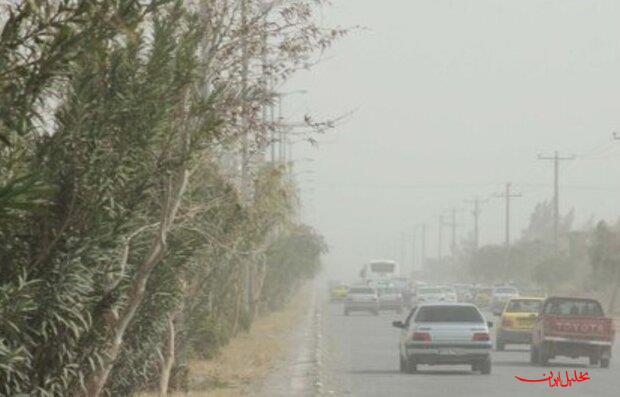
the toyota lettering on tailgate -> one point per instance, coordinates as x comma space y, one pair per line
569, 326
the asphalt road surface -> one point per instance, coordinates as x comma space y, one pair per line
360, 358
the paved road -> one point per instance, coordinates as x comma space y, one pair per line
360, 358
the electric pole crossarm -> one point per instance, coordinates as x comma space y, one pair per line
556, 158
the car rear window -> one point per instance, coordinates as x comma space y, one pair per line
361, 290
448, 314
523, 306
573, 307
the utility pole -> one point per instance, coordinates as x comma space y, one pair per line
453, 225
507, 196
439, 237
476, 213
556, 158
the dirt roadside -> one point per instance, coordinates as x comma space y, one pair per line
270, 360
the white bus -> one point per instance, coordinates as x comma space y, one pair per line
379, 270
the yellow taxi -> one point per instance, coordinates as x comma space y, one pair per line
482, 296
338, 292
517, 321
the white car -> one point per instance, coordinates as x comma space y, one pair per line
444, 333
500, 296
390, 299
361, 298
449, 294
429, 294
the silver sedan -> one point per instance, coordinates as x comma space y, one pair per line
445, 333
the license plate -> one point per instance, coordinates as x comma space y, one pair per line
447, 351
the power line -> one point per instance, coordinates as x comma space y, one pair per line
440, 225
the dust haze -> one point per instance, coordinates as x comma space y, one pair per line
452, 100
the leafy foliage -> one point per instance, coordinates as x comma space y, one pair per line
119, 213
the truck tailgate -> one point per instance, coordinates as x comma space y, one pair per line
579, 327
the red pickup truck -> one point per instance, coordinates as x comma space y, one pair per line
572, 327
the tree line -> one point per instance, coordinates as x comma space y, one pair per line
139, 224
585, 260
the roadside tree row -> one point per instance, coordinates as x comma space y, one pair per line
140, 225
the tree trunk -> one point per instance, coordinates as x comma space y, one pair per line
258, 280
96, 381
238, 301
167, 359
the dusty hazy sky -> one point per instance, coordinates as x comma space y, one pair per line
455, 98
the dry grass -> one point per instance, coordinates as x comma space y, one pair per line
249, 357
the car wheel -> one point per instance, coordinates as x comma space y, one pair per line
604, 362
543, 355
500, 345
485, 366
594, 360
533, 355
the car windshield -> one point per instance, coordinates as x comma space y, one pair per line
448, 314
573, 307
361, 290
429, 291
523, 306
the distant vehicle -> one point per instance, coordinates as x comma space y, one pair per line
380, 284
482, 296
390, 299
444, 333
361, 298
377, 270
464, 293
572, 327
501, 295
338, 292
403, 285
427, 294
449, 294
517, 321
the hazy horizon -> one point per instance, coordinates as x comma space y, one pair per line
452, 100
